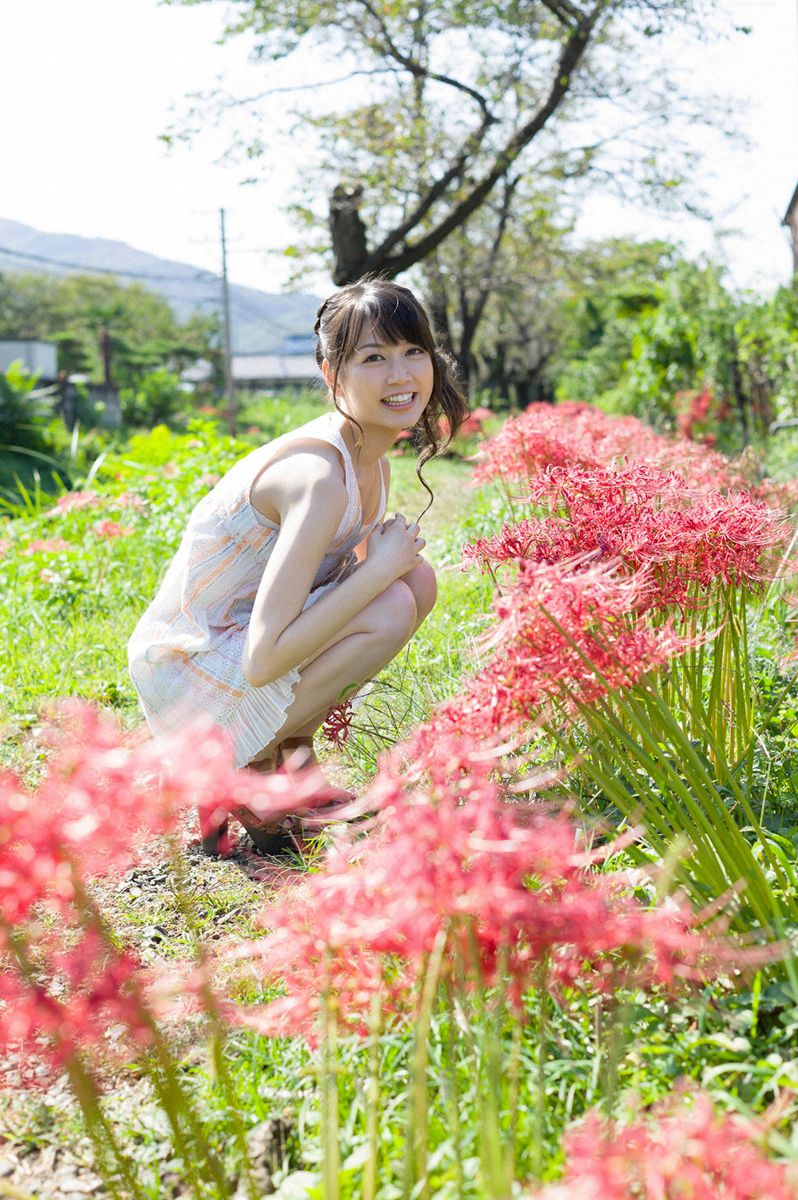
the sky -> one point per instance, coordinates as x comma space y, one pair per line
88, 87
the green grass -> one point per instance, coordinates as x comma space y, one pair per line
66, 634
67, 637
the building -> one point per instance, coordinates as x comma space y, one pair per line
37, 356
791, 221
292, 366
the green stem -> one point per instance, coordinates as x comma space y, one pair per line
416, 1183
454, 1096
218, 1028
373, 1100
540, 1097
178, 1106
331, 1165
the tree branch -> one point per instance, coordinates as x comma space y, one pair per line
418, 69
244, 101
473, 317
569, 59
565, 12
433, 193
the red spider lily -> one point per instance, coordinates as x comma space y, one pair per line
646, 518
71, 501
508, 886
570, 434
557, 435
694, 410
47, 546
101, 800
338, 723
59, 1001
474, 421
567, 632
128, 500
704, 468
93, 807
530, 540
112, 529
687, 1151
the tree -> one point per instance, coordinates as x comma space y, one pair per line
495, 285
474, 88
113, 332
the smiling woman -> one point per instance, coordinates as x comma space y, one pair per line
289, 588
376, 341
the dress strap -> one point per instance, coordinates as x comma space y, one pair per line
350, 478
321, 429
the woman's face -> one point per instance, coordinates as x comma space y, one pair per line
385, 384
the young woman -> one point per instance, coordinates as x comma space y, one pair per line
289, 588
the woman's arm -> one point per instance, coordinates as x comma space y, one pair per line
311, 498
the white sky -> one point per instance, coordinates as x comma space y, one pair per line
86, 87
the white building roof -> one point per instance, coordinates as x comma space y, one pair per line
275, 366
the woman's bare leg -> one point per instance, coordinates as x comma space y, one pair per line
422, 583
365, 645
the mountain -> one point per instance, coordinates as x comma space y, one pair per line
261, 321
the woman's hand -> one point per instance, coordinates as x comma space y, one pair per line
395, 548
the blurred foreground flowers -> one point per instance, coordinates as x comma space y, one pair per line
458, 893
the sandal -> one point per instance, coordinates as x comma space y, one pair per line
272, 837
214, 833
287, 833
300, 753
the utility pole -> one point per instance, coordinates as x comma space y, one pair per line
229, 388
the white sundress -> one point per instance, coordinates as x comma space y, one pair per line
186, 652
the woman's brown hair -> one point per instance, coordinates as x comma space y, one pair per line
393, 313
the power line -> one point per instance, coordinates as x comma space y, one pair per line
243, 306
240, 304
62, 262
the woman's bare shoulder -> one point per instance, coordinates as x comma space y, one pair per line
305, 467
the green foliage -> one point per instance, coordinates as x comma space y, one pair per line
609, 287
267, 415
23, 409
26, 450
767, 337
158, 397
84, 312
642, 337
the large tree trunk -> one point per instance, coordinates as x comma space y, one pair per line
348, 235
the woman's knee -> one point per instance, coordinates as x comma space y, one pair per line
424, 586
396, 612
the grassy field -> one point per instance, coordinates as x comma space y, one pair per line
472, 1098
73, 591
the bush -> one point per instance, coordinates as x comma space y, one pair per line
157, 399
26, 449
